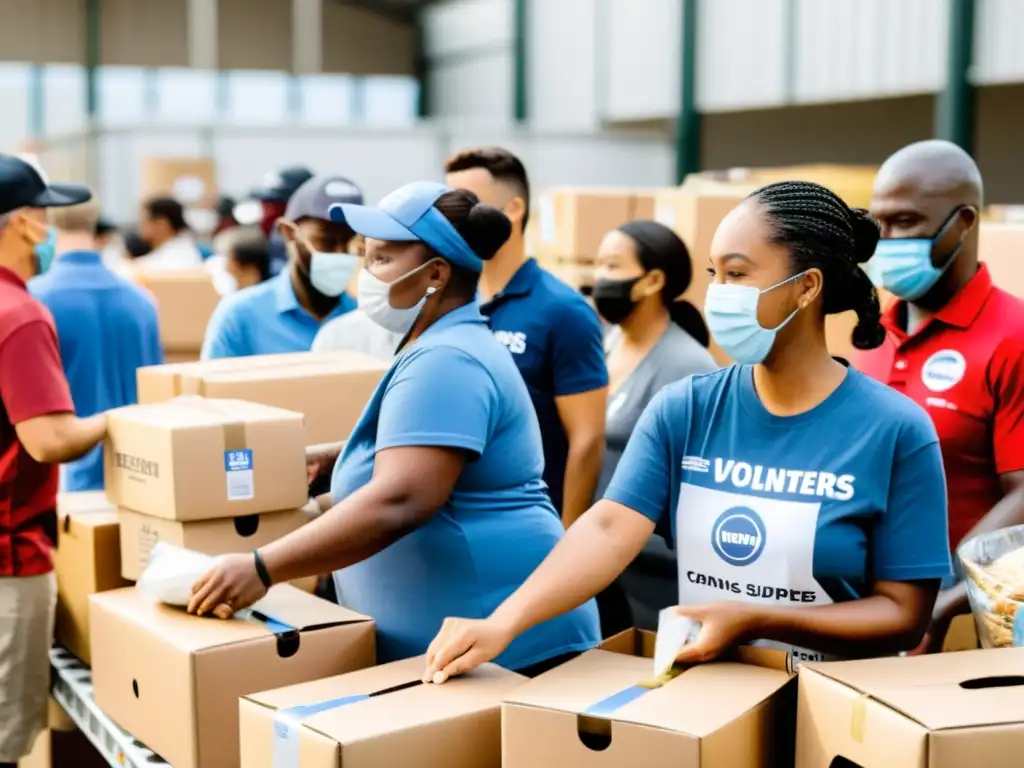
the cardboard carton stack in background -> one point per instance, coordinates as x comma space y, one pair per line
217, 476
1001, 247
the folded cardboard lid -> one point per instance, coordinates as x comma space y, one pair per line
156, 276
941, 691
82, 502
297, 370
698, 702
398, 710
97, 519
284, 604
192, 411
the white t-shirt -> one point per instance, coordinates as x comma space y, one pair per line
180, 252
356, 332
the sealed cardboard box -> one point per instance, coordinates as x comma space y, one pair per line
330, 390
185, 300
189, 180
87, 560
140, 533
173, 680
376, 717
945, 710
196, 459
573, 222
591, 711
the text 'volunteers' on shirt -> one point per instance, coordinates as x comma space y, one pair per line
804, 510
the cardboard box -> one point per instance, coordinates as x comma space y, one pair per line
591, 712
173, 680
140, 533
83, 501
87, 560
331, 390
938, 711
1000, 247
190, 180
196, 459
63, 749
185, 300
377, 717
962, 635
571, 223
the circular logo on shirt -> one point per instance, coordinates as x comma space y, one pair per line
943, 370
738, 536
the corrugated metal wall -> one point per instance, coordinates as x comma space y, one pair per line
998, 53
564, 63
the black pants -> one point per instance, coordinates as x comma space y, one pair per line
535, 670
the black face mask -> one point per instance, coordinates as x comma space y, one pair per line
613, 298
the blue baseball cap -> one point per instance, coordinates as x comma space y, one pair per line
408, 215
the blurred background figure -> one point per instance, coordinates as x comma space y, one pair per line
163, 227
267, 203
243, 256
107, 328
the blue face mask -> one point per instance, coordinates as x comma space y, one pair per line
731, 314
330, 273
45, 251
904, 267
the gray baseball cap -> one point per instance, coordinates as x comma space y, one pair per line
314, 198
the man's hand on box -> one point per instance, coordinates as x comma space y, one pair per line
723, 626
231, 585
320, 459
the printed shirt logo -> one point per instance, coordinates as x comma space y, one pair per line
943, 370
756, 477
696, 464
514, 340
738, 536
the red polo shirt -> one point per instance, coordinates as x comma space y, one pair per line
32, 384
963, 366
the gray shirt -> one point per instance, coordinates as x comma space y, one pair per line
356, 332
676, 355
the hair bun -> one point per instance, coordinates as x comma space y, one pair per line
486, 230
866, 233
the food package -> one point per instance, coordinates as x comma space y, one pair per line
674, 631
993, 564
171, 573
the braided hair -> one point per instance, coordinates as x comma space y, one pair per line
823, 232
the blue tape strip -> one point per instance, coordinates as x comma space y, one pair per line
288, 724
275, 626
607, 707
308, 710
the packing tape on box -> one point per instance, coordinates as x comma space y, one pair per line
607, 707
275, 626
234, 429
288, 722
858, 717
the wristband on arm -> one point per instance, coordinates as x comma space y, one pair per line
261, 569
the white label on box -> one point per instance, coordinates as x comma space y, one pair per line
286, 741
548, 230
238, 468
663, 214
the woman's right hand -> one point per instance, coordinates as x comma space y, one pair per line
463, 645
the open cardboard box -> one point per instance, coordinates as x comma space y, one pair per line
591, 712
949, 710
382, 716
173, 680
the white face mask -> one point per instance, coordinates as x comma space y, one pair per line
330, 273
375, 301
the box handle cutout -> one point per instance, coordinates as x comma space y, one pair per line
842, 762
247, 525
287, 643
997, 681
595, 733
135, 688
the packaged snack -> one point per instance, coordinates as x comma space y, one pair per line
993, 565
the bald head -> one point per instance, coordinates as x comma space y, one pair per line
933, 168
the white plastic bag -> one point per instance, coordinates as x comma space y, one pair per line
171, 573
674, 631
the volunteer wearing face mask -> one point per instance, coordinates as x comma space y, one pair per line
954, 341
437, 504
284, 314
806, 499
642, 268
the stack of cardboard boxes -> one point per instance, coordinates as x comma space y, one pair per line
185, 300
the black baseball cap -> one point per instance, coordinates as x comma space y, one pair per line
281, 185
314, 198
24, 185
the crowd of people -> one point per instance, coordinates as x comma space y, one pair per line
524, 453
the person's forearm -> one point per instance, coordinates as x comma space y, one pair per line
582, 469
76, 437
589, 558
872, 626
360, 526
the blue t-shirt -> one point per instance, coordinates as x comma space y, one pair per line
265, 319
801, 510
456, 387
107, 328
556, 341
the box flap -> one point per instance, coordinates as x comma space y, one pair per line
348, 718
294, 371
284, 604
200, 412
698, 702
83, 501
941, 691
98, 519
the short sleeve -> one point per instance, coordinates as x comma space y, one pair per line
643, 477
1007, 387
32, 381
577, 348
438, 397
226, 335
911, 538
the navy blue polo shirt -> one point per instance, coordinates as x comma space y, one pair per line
556, 341
107, 328
265, 319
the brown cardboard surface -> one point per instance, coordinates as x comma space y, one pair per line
724, 713
1001, 246
173, 680
140, 533
168, 459
455, 725
180, 178
87, 560
571, 222
937, 711
185, 300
